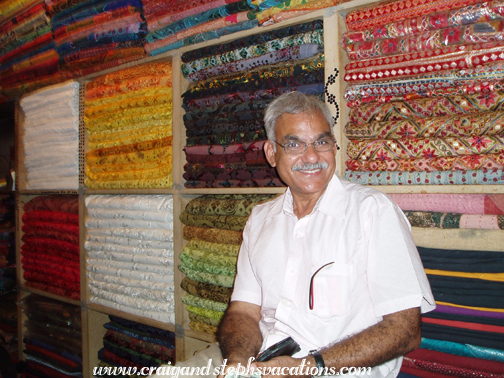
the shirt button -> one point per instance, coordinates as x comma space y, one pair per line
286, 302
292, 270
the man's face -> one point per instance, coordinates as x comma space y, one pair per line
303, 127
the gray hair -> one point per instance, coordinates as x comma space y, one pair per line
293, 103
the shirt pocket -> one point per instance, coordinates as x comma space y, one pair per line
330, 290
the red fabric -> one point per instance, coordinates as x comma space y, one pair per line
53, 356
27, 48
465, 325
51, 216
67, 259
494, 204
66, 228
35, 251
469, 363
68, 204
75, 295
51, 262
37, 233
422, 373
55, 245
51, 274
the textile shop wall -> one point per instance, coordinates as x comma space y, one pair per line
230, 87
213, 226
128, 118
129, 244
46, 42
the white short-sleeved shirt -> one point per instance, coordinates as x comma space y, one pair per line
376, 269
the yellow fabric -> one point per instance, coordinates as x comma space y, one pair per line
142, 146
471, 308
220, 248
133, 157
100, 110
129, 86
94, 169
295, 5
482, 276
146, 92
164, 182
134, 126
121, 138
132, 174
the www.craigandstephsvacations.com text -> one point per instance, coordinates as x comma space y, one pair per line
234, 372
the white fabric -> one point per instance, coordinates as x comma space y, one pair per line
376, 269
93, 246
51, 137
129, 223
131, 202
135, 275
158, 269
131, 282
126, 257
138, 303
133, 233
161, 296
163, 216
130, 242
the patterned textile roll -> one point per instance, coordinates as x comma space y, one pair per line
454, 163
466, 350
212, 235
291, 9
452, 220
203, 327
226, 204
384, 13
472, 14
203, 290
425, 107
464, 177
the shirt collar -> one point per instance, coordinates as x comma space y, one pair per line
332, 200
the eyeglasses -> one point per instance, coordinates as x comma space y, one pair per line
311, 297
295, 147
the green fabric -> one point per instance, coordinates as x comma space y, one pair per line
226, 222
203, 327
207, 291
195, 301
214, 279
205, 266
226, 204
433, 219
217, 315
204, 319
211, 258
219, 248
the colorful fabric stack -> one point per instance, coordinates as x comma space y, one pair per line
28, 59
7, 244
52, 338
180, 23
91, 36
231, 85
133, 345
213, 229
50, 249
273, 11
425, 90
128, 116
129, 243
51, 137
464, 335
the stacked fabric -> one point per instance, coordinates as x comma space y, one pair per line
180, 23
133, 345
231, 85
128, 117
425, 88
52, 338
51, 137
464, 335
28, 59
50, 249
213, 229
7, 244
8, 324
91, 36
129, 240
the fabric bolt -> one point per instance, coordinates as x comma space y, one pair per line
210, 257
217, 315
195, 301
431, 40
226, 204
228, 171
212, 235
482, 124
465, 350
478, 319
142, 234
292, 47
482, 277
149, 260
132, 242
461, 260
227, 138
130, 250
131, 274
464, 325
453, 163
141, 331
290, 9
175, 12
114, 223
450, 309
463, 177
126, 352
218, 248
203, 327
478, 338
251, 40
165, 270
137, 293
205, 277
383, 13
452, 203
207, 267
130, 283
133, 302
164, 216
228, 222
452, 220
218, 23
453, 361
206, 291
468, 239
255, 183
224, 150
156, 349
203, 319
158, 31
220, 110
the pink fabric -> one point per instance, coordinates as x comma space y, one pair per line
485, 221
452, 203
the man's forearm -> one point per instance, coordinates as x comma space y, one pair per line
239, 335
395, 336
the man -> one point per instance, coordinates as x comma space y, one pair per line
330, 263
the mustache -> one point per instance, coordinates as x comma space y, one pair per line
310, 166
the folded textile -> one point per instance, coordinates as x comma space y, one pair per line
462, 177
195, 301
166, 287
452, 203
226, 204
217, 315
290, 9
203, 319
254, 183
205, 277
497, 329
146, 333
214, 247
465, 316
213, 235
453, 220
207, 267
203, 327
466, 239
228, 222
68, 204
466, 350
461, 260
461, 335
207, 291
158, 350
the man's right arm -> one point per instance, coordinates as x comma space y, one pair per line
239, 334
